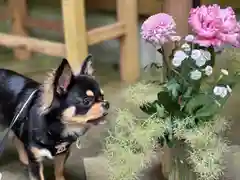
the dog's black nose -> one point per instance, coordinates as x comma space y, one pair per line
106, 104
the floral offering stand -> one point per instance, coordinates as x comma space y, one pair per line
181, 115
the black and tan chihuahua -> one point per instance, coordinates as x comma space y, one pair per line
63, 108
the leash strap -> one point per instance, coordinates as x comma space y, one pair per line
5, 136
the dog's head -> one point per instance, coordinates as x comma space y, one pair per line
76, 98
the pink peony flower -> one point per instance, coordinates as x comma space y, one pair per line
214, 26
158, 29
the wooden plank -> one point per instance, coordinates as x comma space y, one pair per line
105, 33
33, 44
18, 9
129, 50
94, 36
75, 32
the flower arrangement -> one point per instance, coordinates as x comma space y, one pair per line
187, 106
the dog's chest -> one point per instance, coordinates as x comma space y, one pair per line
59, 147
73, 131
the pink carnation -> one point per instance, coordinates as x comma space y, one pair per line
158, 29
214, 26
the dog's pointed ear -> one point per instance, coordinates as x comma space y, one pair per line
63, 77
87, 68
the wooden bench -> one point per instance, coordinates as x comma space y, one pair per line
77, 38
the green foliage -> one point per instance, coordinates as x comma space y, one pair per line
173, 88
130, 144
184, 109
202, 106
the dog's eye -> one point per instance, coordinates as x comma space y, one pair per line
87, 101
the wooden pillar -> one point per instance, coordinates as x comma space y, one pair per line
75, 32
180, 12
18, 9
127, 11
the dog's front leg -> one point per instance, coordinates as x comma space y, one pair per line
36, 156
59, 162
36, 170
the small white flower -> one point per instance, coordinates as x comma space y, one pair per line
196, 54
201, 61
181, 55
176, 38
220, 91
186, 47
208, 70
189, 38
224, 92
217, 90
195, 75
229, 89
206, 55
224, 71
177, 62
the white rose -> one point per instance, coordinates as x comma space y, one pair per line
217, 90
186, 47
224, 71
196, 54
181, 55
176, 62
224, 92
208, 70
229, 89
201, 61
220, 91
207, 55
189, 38
195, 75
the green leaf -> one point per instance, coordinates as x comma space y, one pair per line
173, 87
160, 110
201, 106
168, 103
207, 111
149, 108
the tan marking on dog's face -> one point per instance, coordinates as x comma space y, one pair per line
69, 113
95, 112
89, 93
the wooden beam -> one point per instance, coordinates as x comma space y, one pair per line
105, 33
75, 32
129, 45
18, 9
33, 44
94, 36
